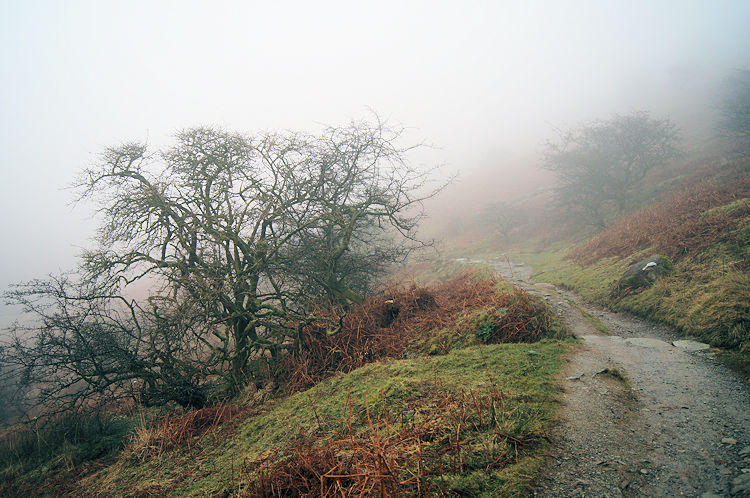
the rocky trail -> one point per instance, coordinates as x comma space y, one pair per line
644, 413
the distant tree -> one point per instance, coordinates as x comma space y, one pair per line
599, 164
501, 217
240, 239
734, 122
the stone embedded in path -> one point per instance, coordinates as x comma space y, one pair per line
689, 345
647, 342
602, 339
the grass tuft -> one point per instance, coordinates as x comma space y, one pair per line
57, 448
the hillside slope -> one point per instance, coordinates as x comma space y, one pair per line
450, 388
472, 421
703, 228
643, 413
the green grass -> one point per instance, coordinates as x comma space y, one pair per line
593, 320
407, 389
730, 207
736, 360
706, 296
592, 283
627, 395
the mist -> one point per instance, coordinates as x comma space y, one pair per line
483, 83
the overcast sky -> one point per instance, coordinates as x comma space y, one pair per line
483, 81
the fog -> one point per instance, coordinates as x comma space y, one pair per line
483, 82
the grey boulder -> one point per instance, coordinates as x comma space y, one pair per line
645, 272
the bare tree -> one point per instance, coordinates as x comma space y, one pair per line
599, 164
90, 345
240, 238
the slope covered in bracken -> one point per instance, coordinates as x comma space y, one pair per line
712, 208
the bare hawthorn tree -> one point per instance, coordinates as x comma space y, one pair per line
599, 164
239, 238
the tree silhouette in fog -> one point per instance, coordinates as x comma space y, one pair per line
599, 164
241, 240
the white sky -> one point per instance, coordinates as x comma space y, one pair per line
480, 80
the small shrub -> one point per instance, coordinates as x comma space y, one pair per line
517, 317
485, 331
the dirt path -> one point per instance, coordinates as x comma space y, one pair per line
659, 421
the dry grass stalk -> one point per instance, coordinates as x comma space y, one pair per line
177, 430
392, 458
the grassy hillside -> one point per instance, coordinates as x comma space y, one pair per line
453, 393
703, 227
472, 421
